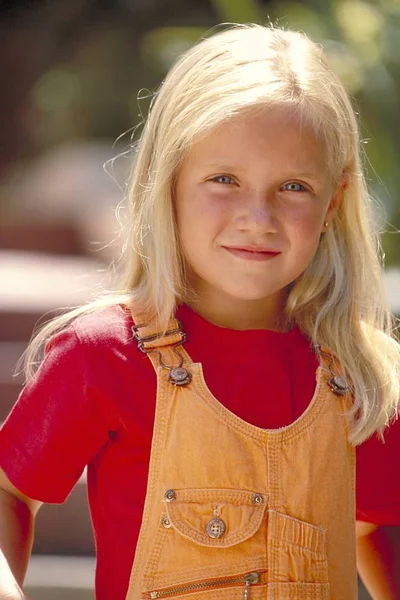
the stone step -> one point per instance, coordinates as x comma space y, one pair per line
60, 578
40, 236
17, 324
40, 285
65, 529
8, 395
10, 383
10, 353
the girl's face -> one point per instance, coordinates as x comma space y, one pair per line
251, 201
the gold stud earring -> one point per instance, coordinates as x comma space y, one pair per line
326, 223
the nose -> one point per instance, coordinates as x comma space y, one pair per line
257, 215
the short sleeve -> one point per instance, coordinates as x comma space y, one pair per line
377, 479
57, 425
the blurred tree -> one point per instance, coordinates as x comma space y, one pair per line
71, 69
33, 35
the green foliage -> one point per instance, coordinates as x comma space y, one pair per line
161, 47
239, 11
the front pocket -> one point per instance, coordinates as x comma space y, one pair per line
206, 535
296, 552
244, 584
193, 513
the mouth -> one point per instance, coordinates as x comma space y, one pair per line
249, 253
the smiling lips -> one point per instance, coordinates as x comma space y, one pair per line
252, 253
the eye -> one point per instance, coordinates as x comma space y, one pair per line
294, 187
222, 179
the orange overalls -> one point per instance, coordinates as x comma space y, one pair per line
235, 512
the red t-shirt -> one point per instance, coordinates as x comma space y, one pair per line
92, 403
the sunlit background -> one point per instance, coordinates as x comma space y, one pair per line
78, 78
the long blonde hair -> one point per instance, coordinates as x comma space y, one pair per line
339, 301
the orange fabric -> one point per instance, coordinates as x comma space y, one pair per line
235, 511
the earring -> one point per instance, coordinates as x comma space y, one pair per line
326, 223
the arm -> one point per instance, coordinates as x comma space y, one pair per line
17, 514
378, 559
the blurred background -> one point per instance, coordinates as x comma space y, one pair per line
77, 81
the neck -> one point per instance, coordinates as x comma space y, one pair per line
233, 313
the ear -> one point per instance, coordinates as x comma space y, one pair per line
335, 202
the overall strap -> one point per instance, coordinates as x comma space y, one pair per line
169, 359
163, 347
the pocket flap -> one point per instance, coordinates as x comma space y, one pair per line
217, 518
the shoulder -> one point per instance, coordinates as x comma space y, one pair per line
99, 333
105, 327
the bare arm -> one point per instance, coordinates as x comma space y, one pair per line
9, 588
378, 559
17, 515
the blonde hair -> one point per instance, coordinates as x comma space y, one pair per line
339, 301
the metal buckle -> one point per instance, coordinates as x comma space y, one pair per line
178, 375
337, 383
151, 338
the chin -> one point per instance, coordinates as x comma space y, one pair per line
248, 294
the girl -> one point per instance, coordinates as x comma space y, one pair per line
250, 262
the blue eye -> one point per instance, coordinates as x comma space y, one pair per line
299, 185
222, 179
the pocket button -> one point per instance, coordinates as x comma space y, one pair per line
216, 528
170, 496
257, 499
166, 522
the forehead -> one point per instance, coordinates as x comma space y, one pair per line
270, 139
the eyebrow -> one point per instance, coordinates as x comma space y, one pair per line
301, 174
224, 167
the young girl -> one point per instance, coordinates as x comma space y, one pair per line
250, 265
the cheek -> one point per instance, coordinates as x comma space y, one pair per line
306, 222
197, 213
304, 233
